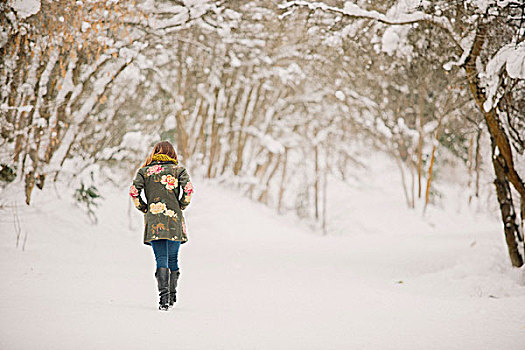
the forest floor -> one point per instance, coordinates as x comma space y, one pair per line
251, 279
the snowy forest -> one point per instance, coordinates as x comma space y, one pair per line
326, 116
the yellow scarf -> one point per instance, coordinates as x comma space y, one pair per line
163, 158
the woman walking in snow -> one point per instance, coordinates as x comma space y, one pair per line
168, 191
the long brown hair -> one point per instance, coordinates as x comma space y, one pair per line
162, 147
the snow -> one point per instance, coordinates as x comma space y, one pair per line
430, 126
25, 8
394, 40
340, 95
135, 140
272, 145
383, 277
516, 62
170, 122
400, 13
4, 37
482, 5
466, 44
267, 141
85, 26
333, 40
291, 73
234, 61
512, 58
4, 107
383, 129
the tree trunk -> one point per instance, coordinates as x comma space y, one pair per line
325, 197
478, 161
403, 179
508, 214
491, 118
316, 184
214, 144
420, 141
29, 185
182, 136
263, 197
283, 179
249, 95
202, 132
431, 167
412, 167
504, 164
470, 165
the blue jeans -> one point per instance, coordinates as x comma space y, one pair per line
166, 253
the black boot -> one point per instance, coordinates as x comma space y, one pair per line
163, 275
174, 278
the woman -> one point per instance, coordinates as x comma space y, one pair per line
168, 191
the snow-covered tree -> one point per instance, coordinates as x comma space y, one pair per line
493, 70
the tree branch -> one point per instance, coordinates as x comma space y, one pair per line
354, 11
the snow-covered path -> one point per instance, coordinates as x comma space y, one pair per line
255, 281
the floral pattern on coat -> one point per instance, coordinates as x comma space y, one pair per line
186, 195
170, 213
188, 190
157, 208
169, 181
137, 201
184, 227
155, 170
133, 192
163, 182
